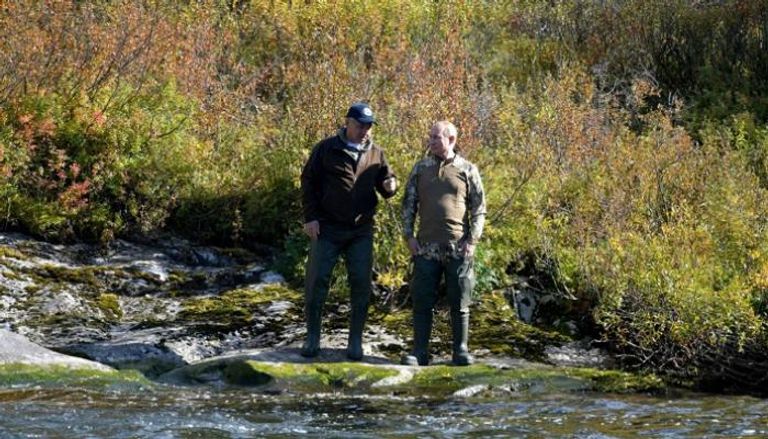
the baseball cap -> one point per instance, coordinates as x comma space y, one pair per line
361, 112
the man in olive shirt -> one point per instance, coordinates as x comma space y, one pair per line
446, 192
339, 185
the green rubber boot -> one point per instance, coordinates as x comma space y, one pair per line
356, 327
311, 347
422, 329
460, 329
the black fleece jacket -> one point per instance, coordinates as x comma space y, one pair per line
339, 189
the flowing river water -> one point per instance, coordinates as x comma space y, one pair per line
184, 412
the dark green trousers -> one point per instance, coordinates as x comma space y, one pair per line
459, 281
427, 274
356, 244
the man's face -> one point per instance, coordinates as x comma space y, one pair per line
440, 144
356, 131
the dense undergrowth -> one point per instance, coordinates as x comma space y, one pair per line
623, 144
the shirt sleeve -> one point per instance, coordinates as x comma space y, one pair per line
311, 185
411, 203
475, 205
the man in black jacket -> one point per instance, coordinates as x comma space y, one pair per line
339, 184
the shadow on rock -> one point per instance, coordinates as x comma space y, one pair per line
152, 360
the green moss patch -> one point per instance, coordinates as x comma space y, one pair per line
433, 381
612, 381
57, 376
83, 275
236, 308
396, 322
109, 304
294, 377
10, 252
89, 279
444, 380
495, 326
324, 375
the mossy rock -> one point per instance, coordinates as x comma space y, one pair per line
445, 380
84, 275
236, 308
10, 252
614, 381
88, 280
438, 381
293, 377
495, 326
318, 376
28, 375
109, 304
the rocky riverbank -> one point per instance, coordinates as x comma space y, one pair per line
189, 314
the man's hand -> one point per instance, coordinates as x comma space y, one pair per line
467, 249
413, 246
312, 229
390, 184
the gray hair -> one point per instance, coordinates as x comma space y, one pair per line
447, 128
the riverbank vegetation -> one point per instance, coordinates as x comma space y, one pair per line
623, 144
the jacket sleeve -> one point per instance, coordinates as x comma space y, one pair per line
411, 203
385, 172
475, 205
312, 185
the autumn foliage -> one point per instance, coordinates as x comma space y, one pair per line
622, 143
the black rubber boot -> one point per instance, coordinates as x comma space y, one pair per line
358, 315
311, 347
460, 329
355, 342
422, 330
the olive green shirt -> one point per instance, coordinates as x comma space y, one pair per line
449, 199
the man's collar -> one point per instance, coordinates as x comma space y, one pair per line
364, 146
455, 160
